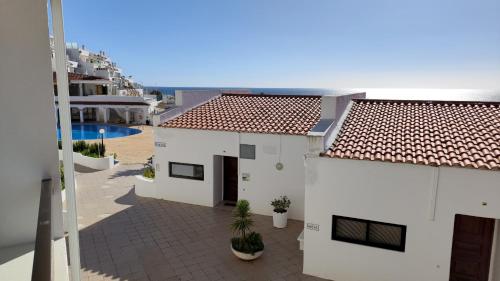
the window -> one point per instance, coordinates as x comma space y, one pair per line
247, 151
186, 171
370, 233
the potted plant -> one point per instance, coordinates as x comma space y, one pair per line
246, 245
280, 212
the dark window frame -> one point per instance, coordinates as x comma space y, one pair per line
170, 164
400, 248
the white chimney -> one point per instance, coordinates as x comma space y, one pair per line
328, 107
178, 97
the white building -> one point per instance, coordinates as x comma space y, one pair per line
242, 146
408, 191
92, 100
83, 61
100, 92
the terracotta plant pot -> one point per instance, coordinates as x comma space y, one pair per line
280, 219
245, 256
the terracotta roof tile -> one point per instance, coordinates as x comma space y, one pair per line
268, 114
77, 76
461, 134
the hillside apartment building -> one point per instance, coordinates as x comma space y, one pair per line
99, 92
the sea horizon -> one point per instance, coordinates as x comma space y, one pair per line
484, 95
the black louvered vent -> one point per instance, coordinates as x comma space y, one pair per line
351, 229
370, 233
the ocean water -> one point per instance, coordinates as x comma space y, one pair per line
372, 93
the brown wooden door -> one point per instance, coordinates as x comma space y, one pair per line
471, 250
230, 179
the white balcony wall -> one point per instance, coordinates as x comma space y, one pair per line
28, 144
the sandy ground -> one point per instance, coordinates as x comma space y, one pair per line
135, 149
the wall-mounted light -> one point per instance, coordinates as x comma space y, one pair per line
279, 166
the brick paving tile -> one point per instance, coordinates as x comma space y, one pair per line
127, 238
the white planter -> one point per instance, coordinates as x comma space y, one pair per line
145, 187
280, 219
245, 256
104, 163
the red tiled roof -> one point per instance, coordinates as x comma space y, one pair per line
77, 76
461, 134
268, 114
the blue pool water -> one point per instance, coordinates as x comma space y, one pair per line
85, 131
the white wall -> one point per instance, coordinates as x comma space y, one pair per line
193, 147
393, 193
103, 163
266, 183
145, 187
28, 144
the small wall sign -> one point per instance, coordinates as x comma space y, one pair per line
160, 144
312, 226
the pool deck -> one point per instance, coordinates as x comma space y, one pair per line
134, 149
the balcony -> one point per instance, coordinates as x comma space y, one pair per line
43, 259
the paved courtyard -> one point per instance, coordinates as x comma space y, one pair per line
125, 237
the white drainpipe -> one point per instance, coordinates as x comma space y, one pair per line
67, 144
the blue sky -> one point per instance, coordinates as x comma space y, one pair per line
295, 43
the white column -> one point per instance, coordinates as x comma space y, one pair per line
145, 115
127, 116
105, 115
109, 88
80, 89
82, 119
100, 114
67, 144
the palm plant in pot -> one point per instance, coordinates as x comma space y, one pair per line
247, 244
280, 211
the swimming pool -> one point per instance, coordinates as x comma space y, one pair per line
83, 131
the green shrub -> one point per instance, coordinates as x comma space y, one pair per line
61, 173
281, 205
252, 244
149, 172
246, 241
96, 150
79, 146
